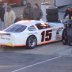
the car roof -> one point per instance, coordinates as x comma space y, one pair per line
29, 22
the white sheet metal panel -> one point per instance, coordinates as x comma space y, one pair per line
62, 2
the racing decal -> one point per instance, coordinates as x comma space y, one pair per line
46, 35
58, 35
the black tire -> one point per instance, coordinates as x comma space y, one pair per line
31, 42
52, 15
52, 18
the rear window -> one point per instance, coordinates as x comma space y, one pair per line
16, 28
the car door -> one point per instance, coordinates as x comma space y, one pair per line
45, 33
57, 29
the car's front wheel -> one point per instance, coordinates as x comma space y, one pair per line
31, 42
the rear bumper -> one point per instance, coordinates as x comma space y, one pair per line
11, 45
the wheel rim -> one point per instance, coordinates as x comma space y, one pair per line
32, 42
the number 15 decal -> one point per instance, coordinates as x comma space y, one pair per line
46, 35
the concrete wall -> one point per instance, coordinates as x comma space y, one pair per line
39, 1
62, 2
52, 2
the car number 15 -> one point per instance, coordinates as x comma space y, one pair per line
46, 35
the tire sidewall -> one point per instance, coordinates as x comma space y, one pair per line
27, 42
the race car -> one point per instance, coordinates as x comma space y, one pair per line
31, 33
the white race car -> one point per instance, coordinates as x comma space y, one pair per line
31, 33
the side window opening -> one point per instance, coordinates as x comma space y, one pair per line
32, 28
42, 26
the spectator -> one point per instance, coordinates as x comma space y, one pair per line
2, 25
28, 12
37, 12
5, 6
68, 13
9, 16
2, 11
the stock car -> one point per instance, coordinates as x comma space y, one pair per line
31, 33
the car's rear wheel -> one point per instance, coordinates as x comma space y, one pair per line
31, 42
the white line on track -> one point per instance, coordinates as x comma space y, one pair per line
17, 70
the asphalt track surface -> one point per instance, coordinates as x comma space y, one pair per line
56, 64
13, 60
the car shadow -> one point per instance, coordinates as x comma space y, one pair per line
23, 48
11, 49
